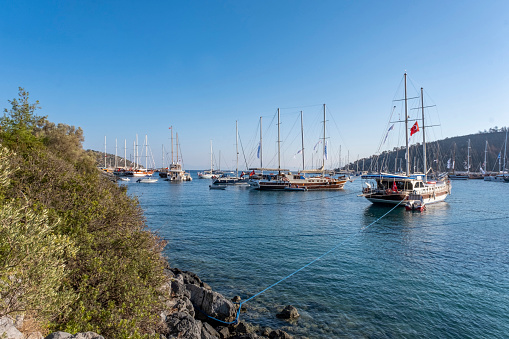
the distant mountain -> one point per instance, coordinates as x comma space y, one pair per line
439, 152
110, 160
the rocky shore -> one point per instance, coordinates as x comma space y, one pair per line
188, 299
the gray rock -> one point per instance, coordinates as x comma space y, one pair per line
224, 332
59, 335
182, 325
244, 328
279, 334
236, 299
289, 312
208, 332
178, 289
212, 303
8, 330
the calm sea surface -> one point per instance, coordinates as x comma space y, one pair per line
443, 273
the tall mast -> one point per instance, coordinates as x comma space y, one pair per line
423, 139
468, 157
505, 152
104, 151
237, 148
146, 153
323, 146
406, 133
302, 138
485, 152
162, 156
136, 157
278, 145
211, 164
261, 148
171, 128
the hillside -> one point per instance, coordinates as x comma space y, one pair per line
439, 152
110, 160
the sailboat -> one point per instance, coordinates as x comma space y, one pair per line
210, 174
504, 174
148, 179
320, 180
236, 180
413, 189
175, 172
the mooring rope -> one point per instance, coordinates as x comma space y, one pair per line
298, 270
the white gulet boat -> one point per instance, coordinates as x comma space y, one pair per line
386, 188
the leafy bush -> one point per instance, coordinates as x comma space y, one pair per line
117, 271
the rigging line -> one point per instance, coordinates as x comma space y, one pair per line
318, 258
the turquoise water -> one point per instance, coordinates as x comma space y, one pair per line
443, 273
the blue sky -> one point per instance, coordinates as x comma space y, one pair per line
121, 68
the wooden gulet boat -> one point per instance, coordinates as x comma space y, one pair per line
385, 188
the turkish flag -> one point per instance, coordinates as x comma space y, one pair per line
394, 186
414, 129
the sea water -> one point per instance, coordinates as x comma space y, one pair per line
442, 273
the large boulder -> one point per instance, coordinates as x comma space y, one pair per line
212, 303
183, 325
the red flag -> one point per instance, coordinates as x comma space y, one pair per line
414, 129
242, 174
252, 173
394, 186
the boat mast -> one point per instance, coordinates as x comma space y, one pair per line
146, 153
505, 153
211, 164
237, 148
278, 145
136, 156
323, 146
424, 140
261, 148
171, 128
406, 133
302, 138
485, 152
468, 157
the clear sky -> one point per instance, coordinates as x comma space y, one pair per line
121, 68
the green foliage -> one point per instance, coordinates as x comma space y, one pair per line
117, 271
19, 124
32, 258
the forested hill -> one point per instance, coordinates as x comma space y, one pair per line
110, 160
439, 152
